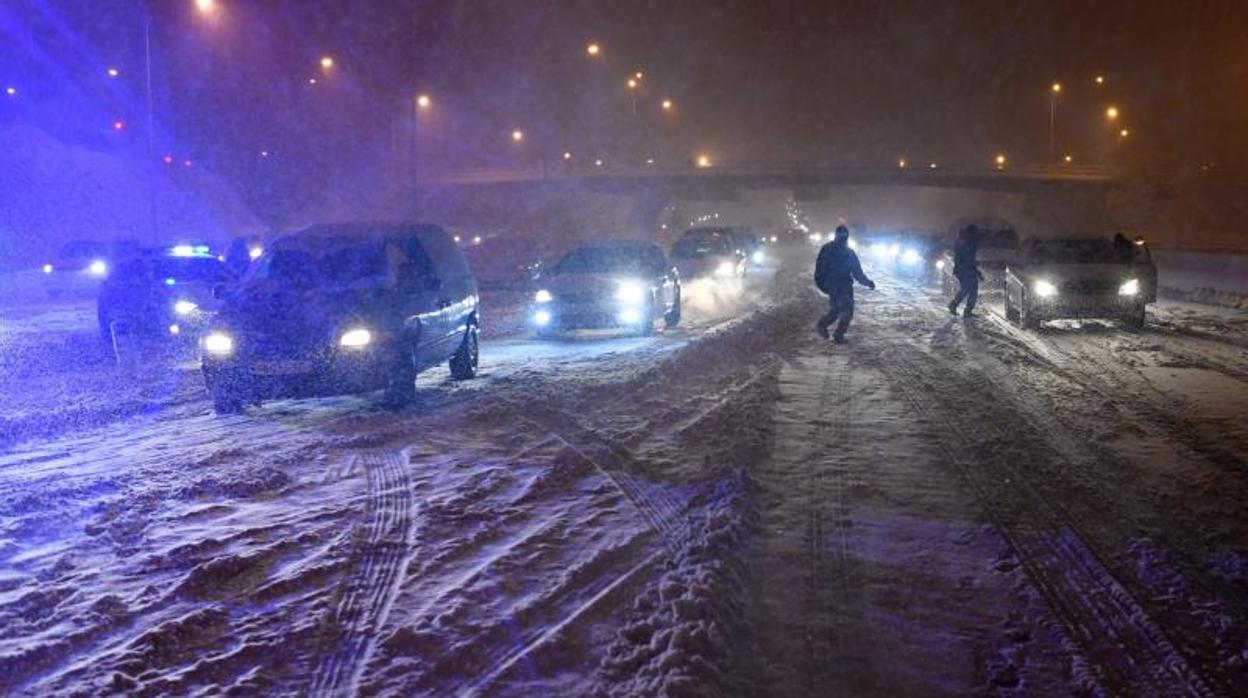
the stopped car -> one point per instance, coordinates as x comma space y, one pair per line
998, 248
81, 266
168, 292
344, 308
708, 253
1075, 278
609, 284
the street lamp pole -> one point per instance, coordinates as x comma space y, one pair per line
151, 125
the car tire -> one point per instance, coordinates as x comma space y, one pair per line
672, 317
464, 363
226, 402
401, 384
1135, 318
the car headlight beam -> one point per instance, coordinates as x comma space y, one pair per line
218, 343
99, 267
543, 296
1044, 289
725, 269
1130, 288
355, 338
630, 292
184, 307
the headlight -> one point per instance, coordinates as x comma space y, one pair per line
543, 296
174, 329
725, 269
255, 252
1130, 288
218, 343
1045, 289
911, 257
98, 267
184, 307
630, 292
894, 250
757, 257
355, 338
816, 238
47, 269
940, 264
541, 318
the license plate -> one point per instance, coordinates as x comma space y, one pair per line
281, 368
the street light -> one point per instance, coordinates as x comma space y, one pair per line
593, 49
667, 105
113, 72
901, 162
704, 161
639, 75
423, 101
517, 136
327, 62
632, 83
1124, 133
1099, 79
1000, 160
567, 155
1068, 159
1111, 113
10, 91
206, 6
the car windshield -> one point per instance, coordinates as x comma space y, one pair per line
330, 267
701, 246
1073, 252
606, 260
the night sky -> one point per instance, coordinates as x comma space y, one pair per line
844, 83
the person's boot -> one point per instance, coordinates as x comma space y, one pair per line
821, 331
953, 308
838, 338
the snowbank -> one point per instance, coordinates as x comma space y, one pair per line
53, 192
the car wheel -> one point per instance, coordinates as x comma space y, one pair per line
226, 402
464, 363
401, 385
1134, 318
672, 318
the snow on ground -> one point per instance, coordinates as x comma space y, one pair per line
729, 508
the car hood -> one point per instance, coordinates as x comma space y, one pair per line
1074, 272
585, 284
298, 317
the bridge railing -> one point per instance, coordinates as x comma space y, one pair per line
917, 175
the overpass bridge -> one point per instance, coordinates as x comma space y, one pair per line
798, 179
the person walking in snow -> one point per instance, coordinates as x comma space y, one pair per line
966, 271
835, 272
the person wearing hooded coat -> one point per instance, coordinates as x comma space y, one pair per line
836, 269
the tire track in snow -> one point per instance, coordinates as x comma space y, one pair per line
1129, 650
377, 566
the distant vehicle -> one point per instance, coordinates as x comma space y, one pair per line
910, 253
344, 308
505, 263
161, 293
748, 245
1074, 278
606, 284
998, 248
709, 253
81, 265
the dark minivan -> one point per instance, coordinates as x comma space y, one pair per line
344, 308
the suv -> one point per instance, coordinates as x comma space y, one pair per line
163, 292
621, 283
344, 308
1075, 278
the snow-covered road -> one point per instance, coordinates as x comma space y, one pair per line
732, 508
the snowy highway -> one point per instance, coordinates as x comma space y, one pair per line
732, 507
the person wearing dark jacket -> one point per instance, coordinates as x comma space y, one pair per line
966, 271
835, 272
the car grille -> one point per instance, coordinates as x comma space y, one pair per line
1089, 286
